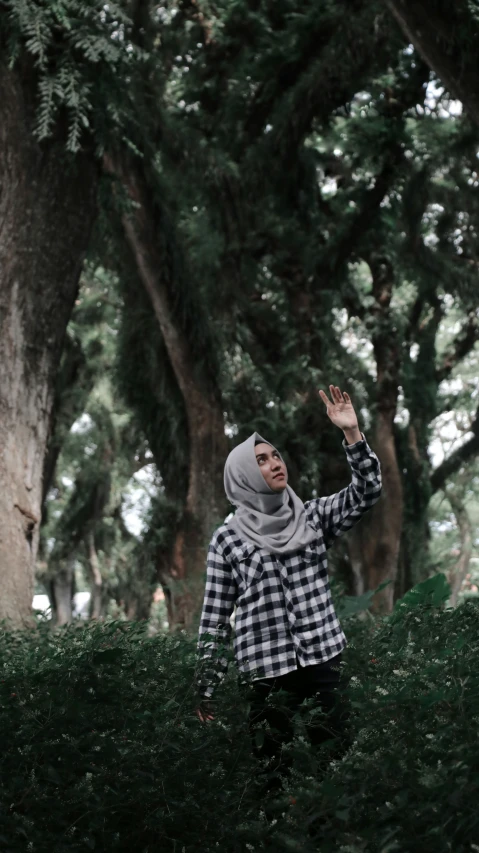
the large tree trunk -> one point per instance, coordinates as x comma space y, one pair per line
47, 205
374, 544
208, 446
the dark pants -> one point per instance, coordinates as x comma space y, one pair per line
323, 682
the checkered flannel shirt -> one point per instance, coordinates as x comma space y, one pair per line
283, 602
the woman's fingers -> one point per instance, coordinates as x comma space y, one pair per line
204, 717
336, 395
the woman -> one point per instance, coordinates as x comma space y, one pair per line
269, 560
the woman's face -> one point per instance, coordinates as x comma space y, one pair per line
272, 468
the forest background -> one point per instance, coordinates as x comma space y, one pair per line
208, 212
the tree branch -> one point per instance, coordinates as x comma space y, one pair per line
361, 221
320, 82
462, 345
446, 36
467, 451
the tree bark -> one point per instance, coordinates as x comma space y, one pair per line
96, 606
374, 544
459, 571
47, 206
62, 587
138, 608
67, 406
446, 36
208, 446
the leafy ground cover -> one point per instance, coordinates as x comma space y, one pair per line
101, 749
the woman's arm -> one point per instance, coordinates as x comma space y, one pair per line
215, 627
335, 514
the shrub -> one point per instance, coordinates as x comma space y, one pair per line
102, 749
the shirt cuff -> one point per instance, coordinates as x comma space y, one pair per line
355, 443
205, 697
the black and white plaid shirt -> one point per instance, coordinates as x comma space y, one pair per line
283, 602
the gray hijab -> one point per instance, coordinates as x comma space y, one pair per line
272, 520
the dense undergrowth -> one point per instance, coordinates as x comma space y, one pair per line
101, 749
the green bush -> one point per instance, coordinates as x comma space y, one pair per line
102, 749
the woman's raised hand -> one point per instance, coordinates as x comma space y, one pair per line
341, 410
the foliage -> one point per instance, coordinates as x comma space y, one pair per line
103, 750
407, 781
107, 754
285, 231
147, 384
100, 450
81, 54
284, 150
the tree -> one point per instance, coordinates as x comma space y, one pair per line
396, 167
99, 448
242, 158
445, 35
48, 204
263, 173
150, 238
62, 92
286, 247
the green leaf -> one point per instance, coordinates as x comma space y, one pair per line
53, 775
108, 656
343, 814
350, 605
434, 591
259, 737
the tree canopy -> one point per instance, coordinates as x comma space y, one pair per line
286, 196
